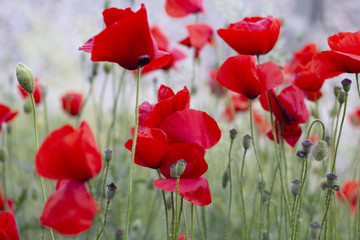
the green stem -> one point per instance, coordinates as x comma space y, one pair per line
199, 224
192, 221
103, 184
230, 191
203, 214
260, 169
311, 125
327, 205
176, 208
4, 132
179, 218
105, 218
130, 181
358, 87
242, 194
165, 207
87, 97
47, 128
172, 216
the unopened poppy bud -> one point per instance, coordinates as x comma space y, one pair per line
119, 234
336, 188
314, 229
341, 97
233, 134
27, 106
3, 155
246, 141
331, 179
107, 4
25, 77
177, 168
307, 145
110, 191
295, 187
300, 154
95, 68
320, 150
265, 196
337, 89
346, 84
107, 66
108, 155
327, 139
225, 178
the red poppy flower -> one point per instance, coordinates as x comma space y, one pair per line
288, 107
252, 36
126, 40
6, 115
241, 74
355, 117
313, 96
350, 190
8, 229
37, 93
182, 236
69, 153
344, 56
291, 132
9, 203
301, 58
70, 209
199, 35
194, 190
182, 8
239, 103
72, 102
215, 87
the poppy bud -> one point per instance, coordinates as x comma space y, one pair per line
3, 155
341, 97
95, 68
323, 184
346, 84
225, 178
295, 187
233, 134
110, 191
336, 188
307, 146
119, 234
106, 6
27, 106
107, 67
25, 77
265, 196
177, 168
331, 179
337, 90
320, 150
301, 154
246, 141
314, 229
108, 155
327, 139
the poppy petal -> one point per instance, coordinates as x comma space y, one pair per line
181, 8
8, 229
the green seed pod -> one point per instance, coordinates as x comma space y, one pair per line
107, 67
246, 141
3, 155
346, 84
178, 168
107, 155
27, 106
295, 187
25, 77
320, 150
341, 97
337, 89
110, 191
331, 179
314, 229
225, 178
233, 134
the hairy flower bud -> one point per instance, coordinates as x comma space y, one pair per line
337, 89
341, 97
177, 168
314, 229
295, 187
246, 141
346, 84
25, 77
233, 134
331, 179
307, 145
320, 150
107, 155
110, 191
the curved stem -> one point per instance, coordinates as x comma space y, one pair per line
311, 125
130, 181
242, 194
230, 191
165, 206
105, 218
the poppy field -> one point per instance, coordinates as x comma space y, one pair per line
178, 120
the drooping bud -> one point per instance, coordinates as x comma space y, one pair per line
25, 77
27, 106
3, 154
346, 84
331, 179
246, 141
307, 146
295, 187
314, 229
107, 67
320, 150
107, 155
110, 191
177, 168
225, 178
341, 97
233, 134
300, 154
337, 89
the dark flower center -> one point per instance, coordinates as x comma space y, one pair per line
143, 60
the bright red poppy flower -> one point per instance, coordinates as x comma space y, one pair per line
241, 74
194, 190
291, 132
126, 40
71, 209
301, 57
355, 117
215, 87
182, 8
37, 93
252, 36
8, 229
313, 96
182, 236
6, 115
239, 103
344, 56
199, 35
350, 190
72, 102
69, 153
288, 107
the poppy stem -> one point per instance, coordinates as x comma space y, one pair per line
312, 124
203, 215
179, 218
3, 146
37, 147
176, 209
103, 184
101, 108
357, 83
333, 168
260, 169
172, 216
46, 118
327, 206
130, 181
230, 190
105, 218
199, 224
87, 97
165, 207
192, 221
242, 194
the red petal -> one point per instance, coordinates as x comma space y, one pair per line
72, 102
194, 190
350, 190
191, 126
150, 147
346, 42
70, 210
164, 92
199, 34
181, 8
8, 229
6, 115
291, 133
306, 79
193, 156
160, 37
112, 15
69, 153
270, 74
160, 60
88, 45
